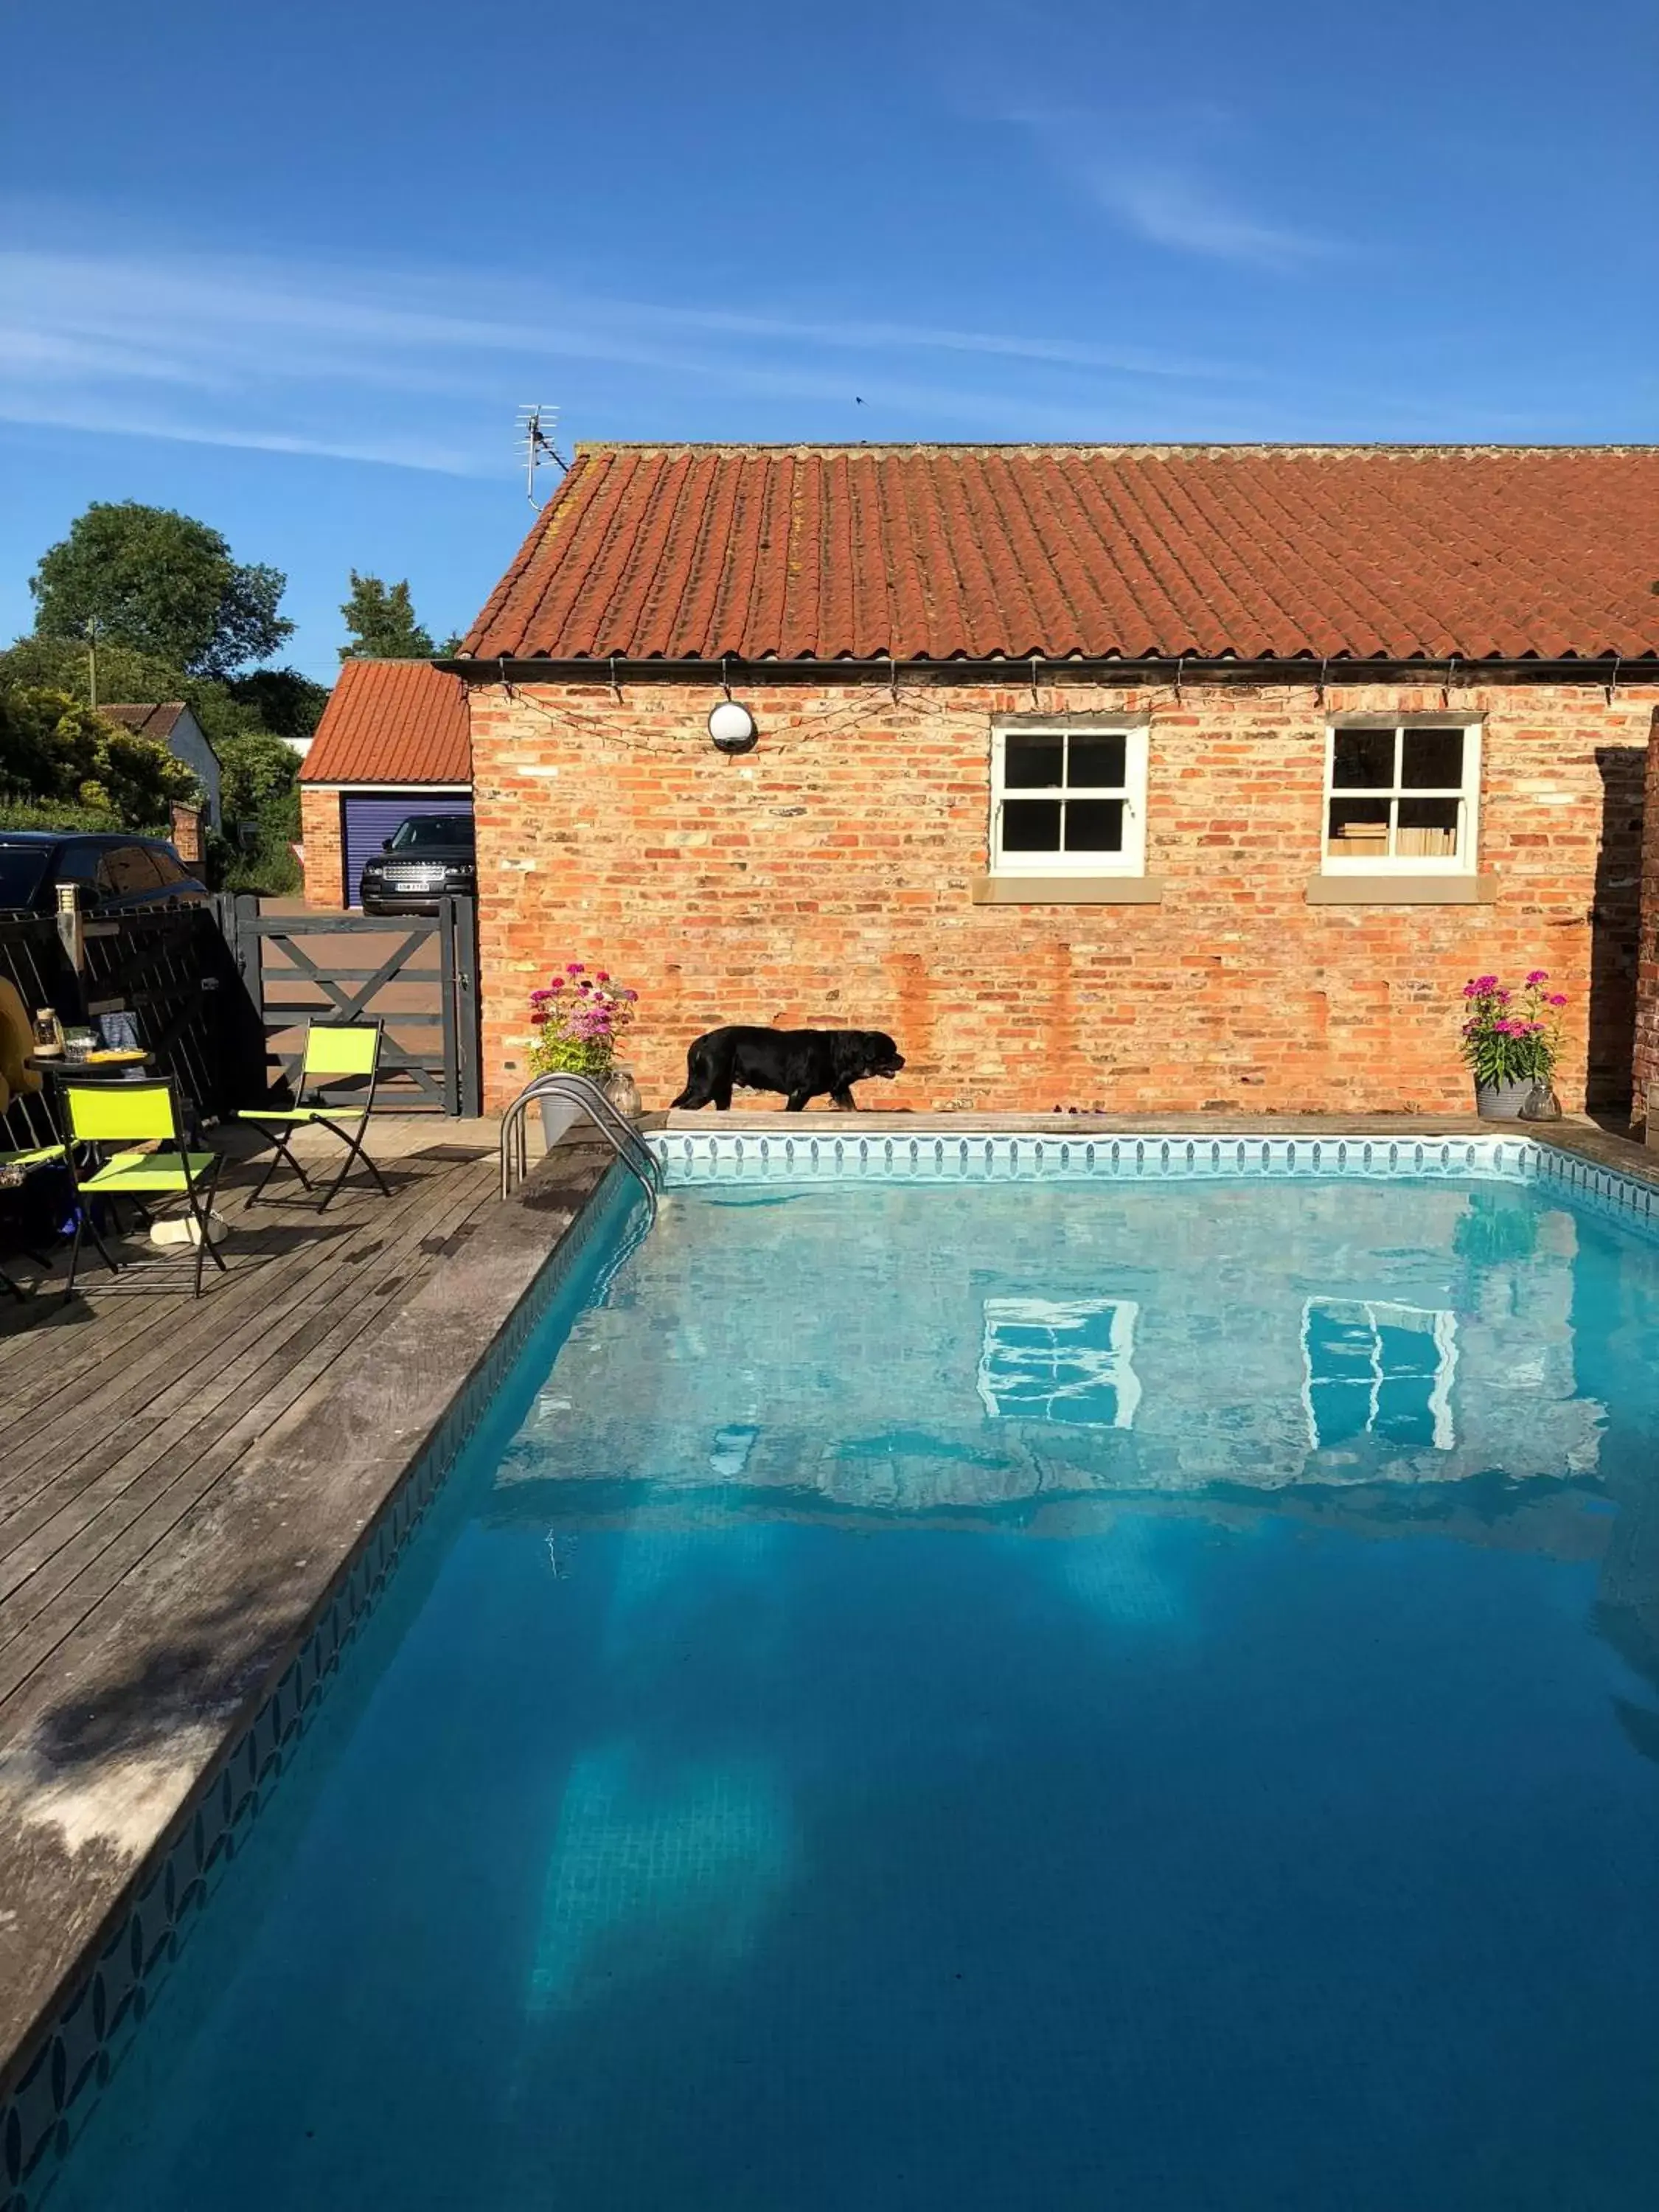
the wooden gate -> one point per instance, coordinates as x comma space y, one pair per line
417, 974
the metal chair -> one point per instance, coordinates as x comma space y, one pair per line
104, 1116
14, 1169
335, 1052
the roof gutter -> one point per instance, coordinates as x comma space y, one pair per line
1608, 670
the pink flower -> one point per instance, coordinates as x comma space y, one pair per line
1557, 999
600, 976
1538, 975
574, 968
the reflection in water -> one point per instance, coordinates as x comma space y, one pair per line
1054, 1359
1378, 1370
936, 1350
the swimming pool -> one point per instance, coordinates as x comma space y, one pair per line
1036, 1693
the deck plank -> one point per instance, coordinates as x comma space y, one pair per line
80, 1578
108, 1438
163, 1347
62, 1538
63, 1347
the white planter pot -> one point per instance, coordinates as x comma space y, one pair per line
559, 1115
1502, 1102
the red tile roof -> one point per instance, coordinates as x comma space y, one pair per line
391, 721
942, 552
155, 720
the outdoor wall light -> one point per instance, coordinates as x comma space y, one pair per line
732, 727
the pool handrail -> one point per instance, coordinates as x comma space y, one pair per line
618, 1132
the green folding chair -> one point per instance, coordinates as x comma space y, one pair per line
111, 1121
32, 1155
336, 1052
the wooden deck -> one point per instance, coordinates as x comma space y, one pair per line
121, 1411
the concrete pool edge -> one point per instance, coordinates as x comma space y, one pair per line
193, 1711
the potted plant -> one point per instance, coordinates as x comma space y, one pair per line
1511, 1041
580, 1019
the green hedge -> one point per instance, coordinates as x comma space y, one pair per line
22, 814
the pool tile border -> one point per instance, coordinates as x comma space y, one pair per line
41, 2116
715, 1158
695, 1158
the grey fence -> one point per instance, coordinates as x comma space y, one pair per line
175, 972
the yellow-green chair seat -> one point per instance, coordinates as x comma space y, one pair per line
40, 1157
151, 1171
302, 1114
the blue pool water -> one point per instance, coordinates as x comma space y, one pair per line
1005, 1700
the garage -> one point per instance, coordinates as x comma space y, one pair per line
393, 742
369, 819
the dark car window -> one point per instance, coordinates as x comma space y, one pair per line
429, 830
78, 863
22, 867
173, 869
128, 871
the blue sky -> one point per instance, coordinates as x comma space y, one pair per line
294, 270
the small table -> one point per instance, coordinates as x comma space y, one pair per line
112, 1066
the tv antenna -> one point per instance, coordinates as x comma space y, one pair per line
537, 424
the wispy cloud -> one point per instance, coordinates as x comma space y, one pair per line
1172, 179
1180, 211
134, 422
380, 364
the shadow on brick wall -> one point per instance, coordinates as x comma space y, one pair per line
1615, 927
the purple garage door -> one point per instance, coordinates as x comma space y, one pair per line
371, 818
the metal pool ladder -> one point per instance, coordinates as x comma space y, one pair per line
618, 1132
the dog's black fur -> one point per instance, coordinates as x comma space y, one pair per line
801, 1063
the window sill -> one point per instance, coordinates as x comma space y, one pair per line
1402, 889
1067, 890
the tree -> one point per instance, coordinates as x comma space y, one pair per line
381, 620
278, 700
54, 752
259, 788
255, 772
63, 663
285, 701
161, 583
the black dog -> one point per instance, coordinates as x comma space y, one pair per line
801, 1063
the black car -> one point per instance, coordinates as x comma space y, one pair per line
425, 859
114, 873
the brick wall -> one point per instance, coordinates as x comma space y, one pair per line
1646, 1069
824, 878
320, 834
